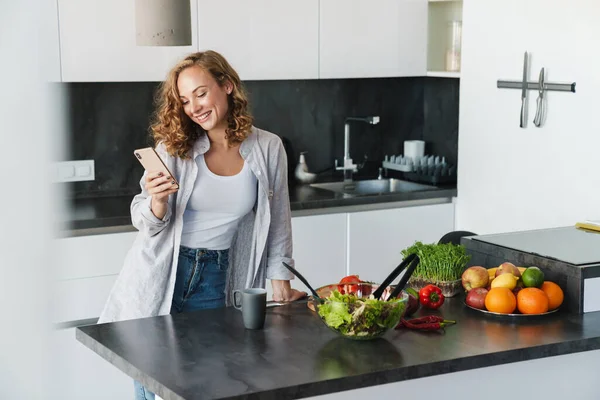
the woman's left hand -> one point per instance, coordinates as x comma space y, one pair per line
282, 291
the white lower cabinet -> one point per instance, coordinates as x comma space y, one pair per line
78, 373
319, 249
87, 267
376, 238
93, 255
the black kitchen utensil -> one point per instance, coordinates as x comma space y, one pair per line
413, 260
299, 275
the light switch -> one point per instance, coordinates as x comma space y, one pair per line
74, 171
83, 171
66, 172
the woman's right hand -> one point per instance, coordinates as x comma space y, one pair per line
159, 186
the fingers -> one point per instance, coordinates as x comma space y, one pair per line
161, 187
156, 178
156, 184
297, 295
291, 295
150, 176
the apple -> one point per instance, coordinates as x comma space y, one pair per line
476, 298
475, 277
517, 289
508, 268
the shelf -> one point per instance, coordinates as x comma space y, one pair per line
440, 13
443, 74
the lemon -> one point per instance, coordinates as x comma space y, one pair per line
508, 281
492, 273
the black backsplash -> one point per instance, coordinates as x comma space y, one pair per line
107, 121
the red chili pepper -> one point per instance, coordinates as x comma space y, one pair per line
421, 320
425, 326
431, 297
426, 319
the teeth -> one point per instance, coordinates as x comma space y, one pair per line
202, 116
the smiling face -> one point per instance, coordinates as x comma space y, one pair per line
203, 100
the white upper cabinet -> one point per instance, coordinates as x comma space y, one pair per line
263, 39
374, 38
97, 43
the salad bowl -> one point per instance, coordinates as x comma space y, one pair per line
361, 310
358, 315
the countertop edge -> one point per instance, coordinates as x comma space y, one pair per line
365, 380
427, 370
122, 224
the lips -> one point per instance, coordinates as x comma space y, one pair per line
203, 117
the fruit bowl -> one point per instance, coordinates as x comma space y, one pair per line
357, 315
515, 315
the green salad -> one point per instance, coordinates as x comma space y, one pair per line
354, 316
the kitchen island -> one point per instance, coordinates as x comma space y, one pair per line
332, 233
209, 354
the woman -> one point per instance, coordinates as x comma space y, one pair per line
228, 226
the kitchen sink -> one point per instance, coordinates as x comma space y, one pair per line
373, 186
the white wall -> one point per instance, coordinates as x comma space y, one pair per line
517, 179
29, 127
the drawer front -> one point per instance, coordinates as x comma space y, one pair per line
80, 299
95, 255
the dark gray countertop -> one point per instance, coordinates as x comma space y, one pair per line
209, 354
94, 215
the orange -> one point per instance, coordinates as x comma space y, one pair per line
532, 301
554, 293
500, 300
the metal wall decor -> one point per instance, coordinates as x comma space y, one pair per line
541, 86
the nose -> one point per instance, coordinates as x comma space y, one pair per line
195, 105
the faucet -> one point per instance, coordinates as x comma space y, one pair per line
349, 167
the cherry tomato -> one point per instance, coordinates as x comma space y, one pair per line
349, 284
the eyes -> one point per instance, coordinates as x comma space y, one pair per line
201, 95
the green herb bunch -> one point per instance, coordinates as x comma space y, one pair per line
438, 262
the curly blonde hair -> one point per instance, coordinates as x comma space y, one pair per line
175, 129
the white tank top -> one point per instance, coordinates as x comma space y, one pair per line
215, 207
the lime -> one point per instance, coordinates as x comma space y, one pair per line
533, 277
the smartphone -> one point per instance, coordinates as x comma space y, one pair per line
151, 161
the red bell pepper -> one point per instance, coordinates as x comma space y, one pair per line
431, 297
349, 284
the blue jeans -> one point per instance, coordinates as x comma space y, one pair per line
200, 284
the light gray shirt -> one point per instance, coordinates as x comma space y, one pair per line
144, 287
